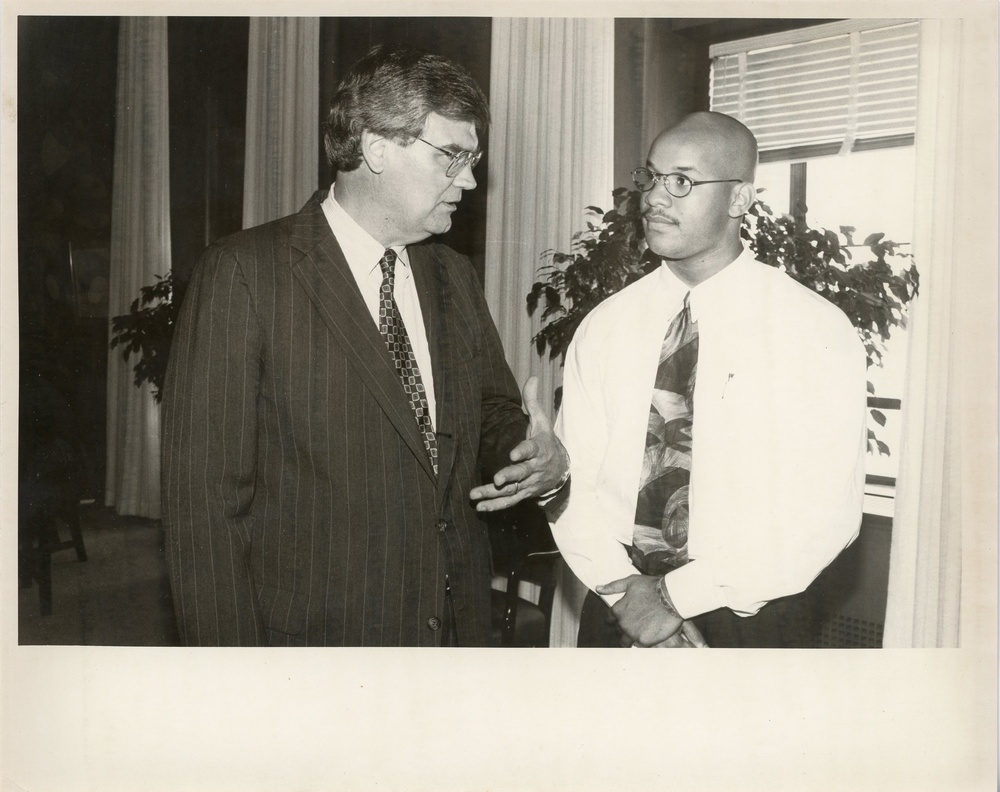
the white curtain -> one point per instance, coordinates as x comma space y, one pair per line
942, 572
140, 250
282, 134
551, 156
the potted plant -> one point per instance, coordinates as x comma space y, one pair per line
611, 253
148, 328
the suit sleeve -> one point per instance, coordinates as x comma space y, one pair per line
504, 423
209, 455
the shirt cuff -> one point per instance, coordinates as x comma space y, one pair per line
693, 591
545, 497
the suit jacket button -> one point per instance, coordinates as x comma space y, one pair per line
442, 525
434, 623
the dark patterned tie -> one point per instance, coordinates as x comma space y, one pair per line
390, 325
659, 539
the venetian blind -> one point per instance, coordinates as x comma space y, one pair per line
844, 86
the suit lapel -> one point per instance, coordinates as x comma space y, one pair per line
319, 265
431, 281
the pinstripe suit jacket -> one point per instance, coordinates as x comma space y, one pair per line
299, 503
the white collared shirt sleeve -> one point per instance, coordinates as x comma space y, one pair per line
583, 529
607, 387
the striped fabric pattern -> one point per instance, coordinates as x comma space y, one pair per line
300, 505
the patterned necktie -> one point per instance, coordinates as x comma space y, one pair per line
390, 325
659, 539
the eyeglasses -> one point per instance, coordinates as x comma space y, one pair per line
458, 159
677, 184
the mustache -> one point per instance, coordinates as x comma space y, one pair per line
655, 214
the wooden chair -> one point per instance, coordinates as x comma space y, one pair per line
51, 468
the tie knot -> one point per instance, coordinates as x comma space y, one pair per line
388, 263
686, 308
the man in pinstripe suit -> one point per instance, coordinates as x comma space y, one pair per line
335, 390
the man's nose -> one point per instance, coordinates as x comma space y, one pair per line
465, 179
658, 195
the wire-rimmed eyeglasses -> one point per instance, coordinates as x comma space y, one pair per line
457, 159
677, 184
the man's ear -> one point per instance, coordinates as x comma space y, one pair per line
373, 151
744, 194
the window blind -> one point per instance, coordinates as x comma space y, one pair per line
844, 86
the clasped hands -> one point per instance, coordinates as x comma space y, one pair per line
646, 618
540, 463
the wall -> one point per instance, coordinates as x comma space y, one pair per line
660, 77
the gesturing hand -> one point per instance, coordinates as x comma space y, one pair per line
540, 461
643, 616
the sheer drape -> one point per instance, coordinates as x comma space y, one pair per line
551, 153
942, 572
282, 142
551, 156
140, 250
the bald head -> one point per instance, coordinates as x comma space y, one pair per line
727, 146
694, 208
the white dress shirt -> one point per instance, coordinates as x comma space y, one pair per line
778, 440
363, 254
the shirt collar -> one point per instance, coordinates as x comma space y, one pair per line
720, 290
362, 250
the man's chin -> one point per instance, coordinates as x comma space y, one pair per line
660, 246
441, 225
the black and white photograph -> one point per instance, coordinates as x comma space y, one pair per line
491, 329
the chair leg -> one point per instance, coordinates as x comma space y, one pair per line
510, 611
35, 560
73, 519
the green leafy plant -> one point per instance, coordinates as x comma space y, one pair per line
148, 328
611, 253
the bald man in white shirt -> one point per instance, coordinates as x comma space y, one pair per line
715, 473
